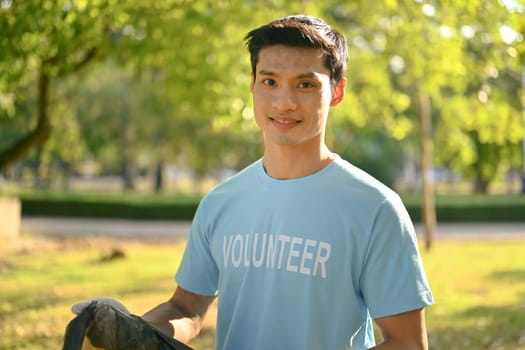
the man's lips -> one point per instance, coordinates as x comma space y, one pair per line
284, 121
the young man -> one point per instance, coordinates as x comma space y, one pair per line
301, 248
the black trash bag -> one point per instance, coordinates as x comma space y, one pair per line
101, 326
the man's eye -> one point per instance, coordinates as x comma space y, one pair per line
305, 85
269, 82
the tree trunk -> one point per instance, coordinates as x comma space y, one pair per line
159, 176
128, 174
128, 146
40, 169
427, 150
523, 140
480, 185
39, 134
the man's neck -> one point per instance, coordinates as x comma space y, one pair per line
291, 163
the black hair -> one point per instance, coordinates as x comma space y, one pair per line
301, 31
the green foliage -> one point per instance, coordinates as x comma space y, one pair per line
127, 206
450, 208
61, 39
168, 81
472, 208
456, 53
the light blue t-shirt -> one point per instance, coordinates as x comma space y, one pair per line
303, 263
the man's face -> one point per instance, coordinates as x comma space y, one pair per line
292, 95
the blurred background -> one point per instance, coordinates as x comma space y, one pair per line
109, 95
134, 109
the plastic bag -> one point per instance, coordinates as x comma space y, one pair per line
101, 326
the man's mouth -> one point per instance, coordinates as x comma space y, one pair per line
284, 121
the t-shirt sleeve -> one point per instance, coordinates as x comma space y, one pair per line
198, 272
393, 279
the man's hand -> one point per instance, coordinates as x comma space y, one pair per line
181, 316
78, 307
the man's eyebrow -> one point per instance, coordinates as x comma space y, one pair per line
266, 72
309, 75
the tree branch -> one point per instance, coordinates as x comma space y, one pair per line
88, 57
39, 134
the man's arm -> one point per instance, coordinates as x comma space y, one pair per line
405, 331
181, 316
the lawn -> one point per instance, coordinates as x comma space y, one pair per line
479, 288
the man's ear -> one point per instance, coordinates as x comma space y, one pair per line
338, 92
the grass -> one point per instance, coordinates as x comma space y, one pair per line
479, 288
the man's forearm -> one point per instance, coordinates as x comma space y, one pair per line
170, 320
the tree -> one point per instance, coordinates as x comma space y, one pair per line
191, 46
481, 120
56, 44
423, 61
389, 37
185, 75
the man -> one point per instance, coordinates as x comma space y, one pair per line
301, 248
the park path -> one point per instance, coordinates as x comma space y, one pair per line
115, 228
174, 230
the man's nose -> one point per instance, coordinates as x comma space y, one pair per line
284, 100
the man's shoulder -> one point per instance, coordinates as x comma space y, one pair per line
241, 180
359, 178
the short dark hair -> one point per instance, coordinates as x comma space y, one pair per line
301, 31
